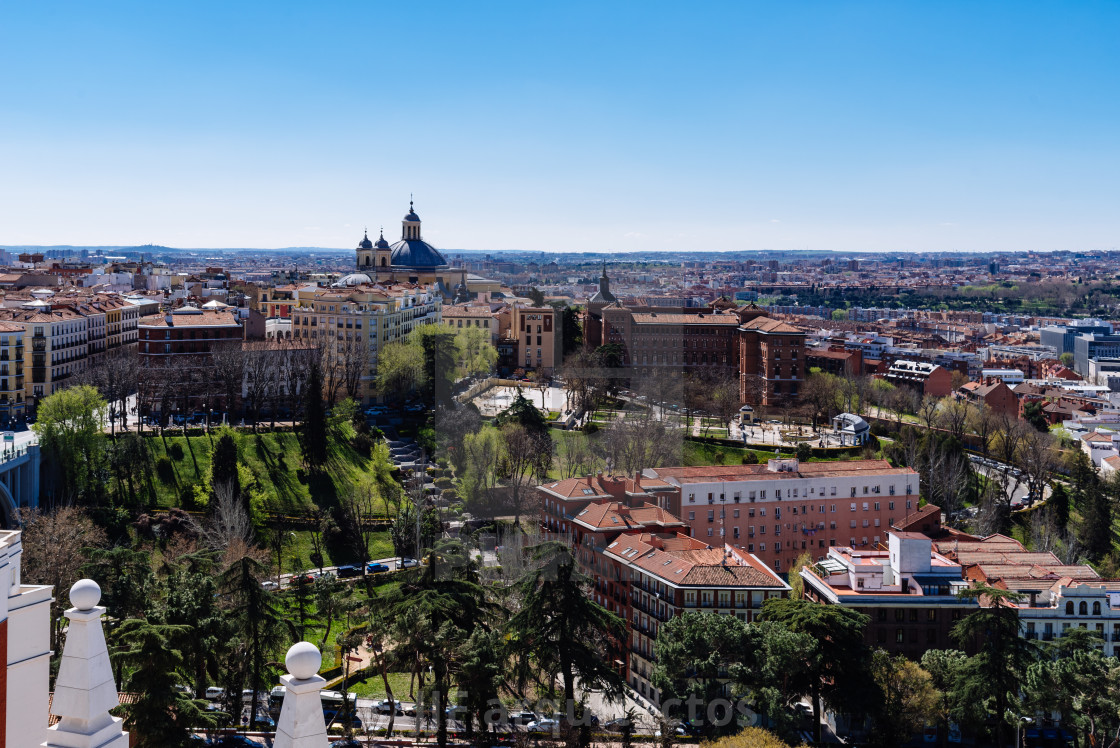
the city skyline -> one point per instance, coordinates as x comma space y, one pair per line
846, 127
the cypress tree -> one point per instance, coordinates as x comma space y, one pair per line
314, 436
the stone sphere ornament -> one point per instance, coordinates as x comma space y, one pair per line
85, 594
303, 660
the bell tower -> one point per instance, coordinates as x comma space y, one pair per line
383, 256
365, 254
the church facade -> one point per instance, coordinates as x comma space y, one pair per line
411, 259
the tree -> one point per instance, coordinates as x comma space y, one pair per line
907, 700
1080, 684
475, 352
161, 716
115, 375
434, 612
257, 620
313, 435
192, 604
439, 351
952, 415
480, 673
1066, 359
835, 663
695, 652
1095, 529
400, 369
752, 737
333, 598
68, 425
1059, 505
54, 550
1034, 415
525, 458
990, 679
223, 464
559, 630
942, 666
796, 583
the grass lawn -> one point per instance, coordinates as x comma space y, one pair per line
276, 466
297, 554
374, 687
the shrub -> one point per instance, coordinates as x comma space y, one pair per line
804, 452
362, 444
175, 451
443, 482
165, 471
750, 458
590, 427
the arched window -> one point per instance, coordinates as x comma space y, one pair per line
1083, 608
1097, 608
382, 262
1069, 607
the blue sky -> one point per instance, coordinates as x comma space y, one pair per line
892, 126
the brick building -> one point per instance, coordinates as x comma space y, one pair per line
923, 377
645, 567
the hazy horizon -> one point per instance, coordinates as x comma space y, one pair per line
729, 126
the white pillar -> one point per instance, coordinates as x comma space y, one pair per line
301, 723
84, 691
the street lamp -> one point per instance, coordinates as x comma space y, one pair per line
1018, 729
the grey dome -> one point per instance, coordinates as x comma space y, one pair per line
416, 253
353, 279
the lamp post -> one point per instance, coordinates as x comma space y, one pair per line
1018, 729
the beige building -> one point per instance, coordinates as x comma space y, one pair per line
539, 334
353, 320
13, 405
482, 316
58, 348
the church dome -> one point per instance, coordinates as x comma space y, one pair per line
365, 243
416, 253
381, 243
353, 279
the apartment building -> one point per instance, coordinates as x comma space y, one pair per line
670, 576
539, 333
921, 376
1055, 596
175, 356
645, 567
13, 405
355, 315
785, 508
58, 348
482, 316
907, 590
771, 359
278, 302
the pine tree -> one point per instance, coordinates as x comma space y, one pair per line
161, 716
223, 464
1059, 505
560, 630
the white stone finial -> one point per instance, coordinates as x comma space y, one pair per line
85, 691
301, 723
85, 594
303, 660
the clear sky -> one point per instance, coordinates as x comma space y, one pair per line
563, 125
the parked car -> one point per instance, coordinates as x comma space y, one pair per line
268, 584
408, 563
308, 578
349, 570
235, 741
346, 743
522, 718
543, 725
376, 568
213, 693
616, 725
385, 706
